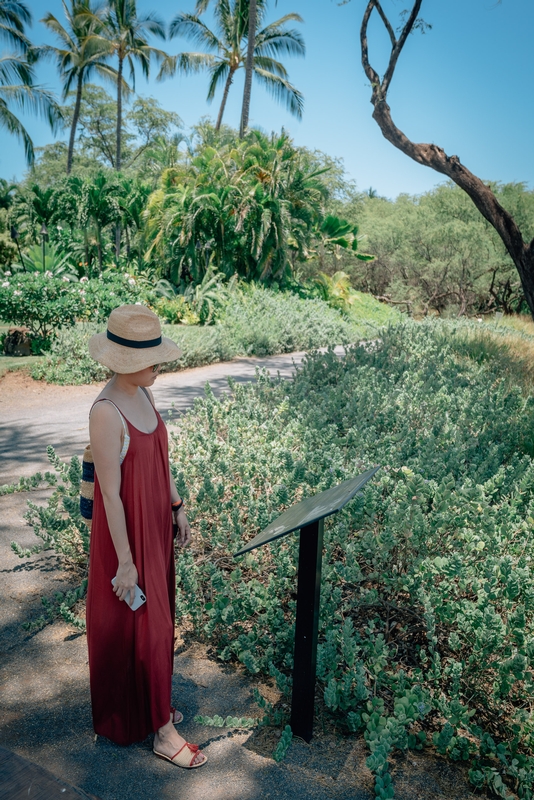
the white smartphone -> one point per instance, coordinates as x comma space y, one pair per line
139, 598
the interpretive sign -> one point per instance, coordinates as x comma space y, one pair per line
308, 517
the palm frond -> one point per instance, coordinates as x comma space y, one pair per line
274, 39
219, 74
16, 13
192, 28
151, 23
185, 63
36, 100
12, 124
282, 90
54, 25
13, 36
271, 65
15, 69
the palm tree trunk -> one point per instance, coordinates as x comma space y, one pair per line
245, 110
229, 80
119, 117
118, 151
75, 118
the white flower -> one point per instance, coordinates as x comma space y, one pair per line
132, 281
126, 274
82, 292
82, 299
48, 274
112, 294
84, 279
64, 278
7, 272
138, 304
17, 293
5, 284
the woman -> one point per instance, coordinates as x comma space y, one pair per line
135, 505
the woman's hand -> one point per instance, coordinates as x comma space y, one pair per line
126, 581
183, 537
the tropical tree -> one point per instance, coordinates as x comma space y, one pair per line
75, 62
520, 249
33, 207
249, 65
100, 208
132, 198
6, 193
228, 51
251, 207
17, 77
124, 35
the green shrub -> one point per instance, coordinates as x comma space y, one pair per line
45, 304
68, 362
41, 303
174, 310
200, 344
265, 322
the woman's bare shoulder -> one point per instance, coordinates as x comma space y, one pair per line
104, 413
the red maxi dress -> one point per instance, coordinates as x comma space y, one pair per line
131, 652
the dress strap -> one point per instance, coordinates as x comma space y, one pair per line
147, 394
126, 442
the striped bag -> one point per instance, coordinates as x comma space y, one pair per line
87, 486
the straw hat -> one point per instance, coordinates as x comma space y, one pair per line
133, 341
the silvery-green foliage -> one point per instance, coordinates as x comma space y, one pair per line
427, 599
59, 524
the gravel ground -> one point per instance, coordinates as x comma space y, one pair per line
44, 690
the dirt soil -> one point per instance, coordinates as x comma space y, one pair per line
44, 685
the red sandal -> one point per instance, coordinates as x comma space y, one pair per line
185, 760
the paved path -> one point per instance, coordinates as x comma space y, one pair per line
41, 414
44, 689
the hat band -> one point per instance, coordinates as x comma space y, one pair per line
132, 342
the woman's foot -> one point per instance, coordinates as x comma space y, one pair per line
167, 743
176, 716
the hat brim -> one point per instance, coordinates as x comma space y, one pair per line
126, 360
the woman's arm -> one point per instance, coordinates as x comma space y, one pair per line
105, 431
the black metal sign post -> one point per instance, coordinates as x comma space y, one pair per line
308, 516
306, 629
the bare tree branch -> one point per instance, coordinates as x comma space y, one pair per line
387, 23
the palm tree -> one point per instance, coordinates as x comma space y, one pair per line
124, 34
249, 66
17, 77
74, 62
228, 53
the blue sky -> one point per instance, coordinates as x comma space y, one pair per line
466, 85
